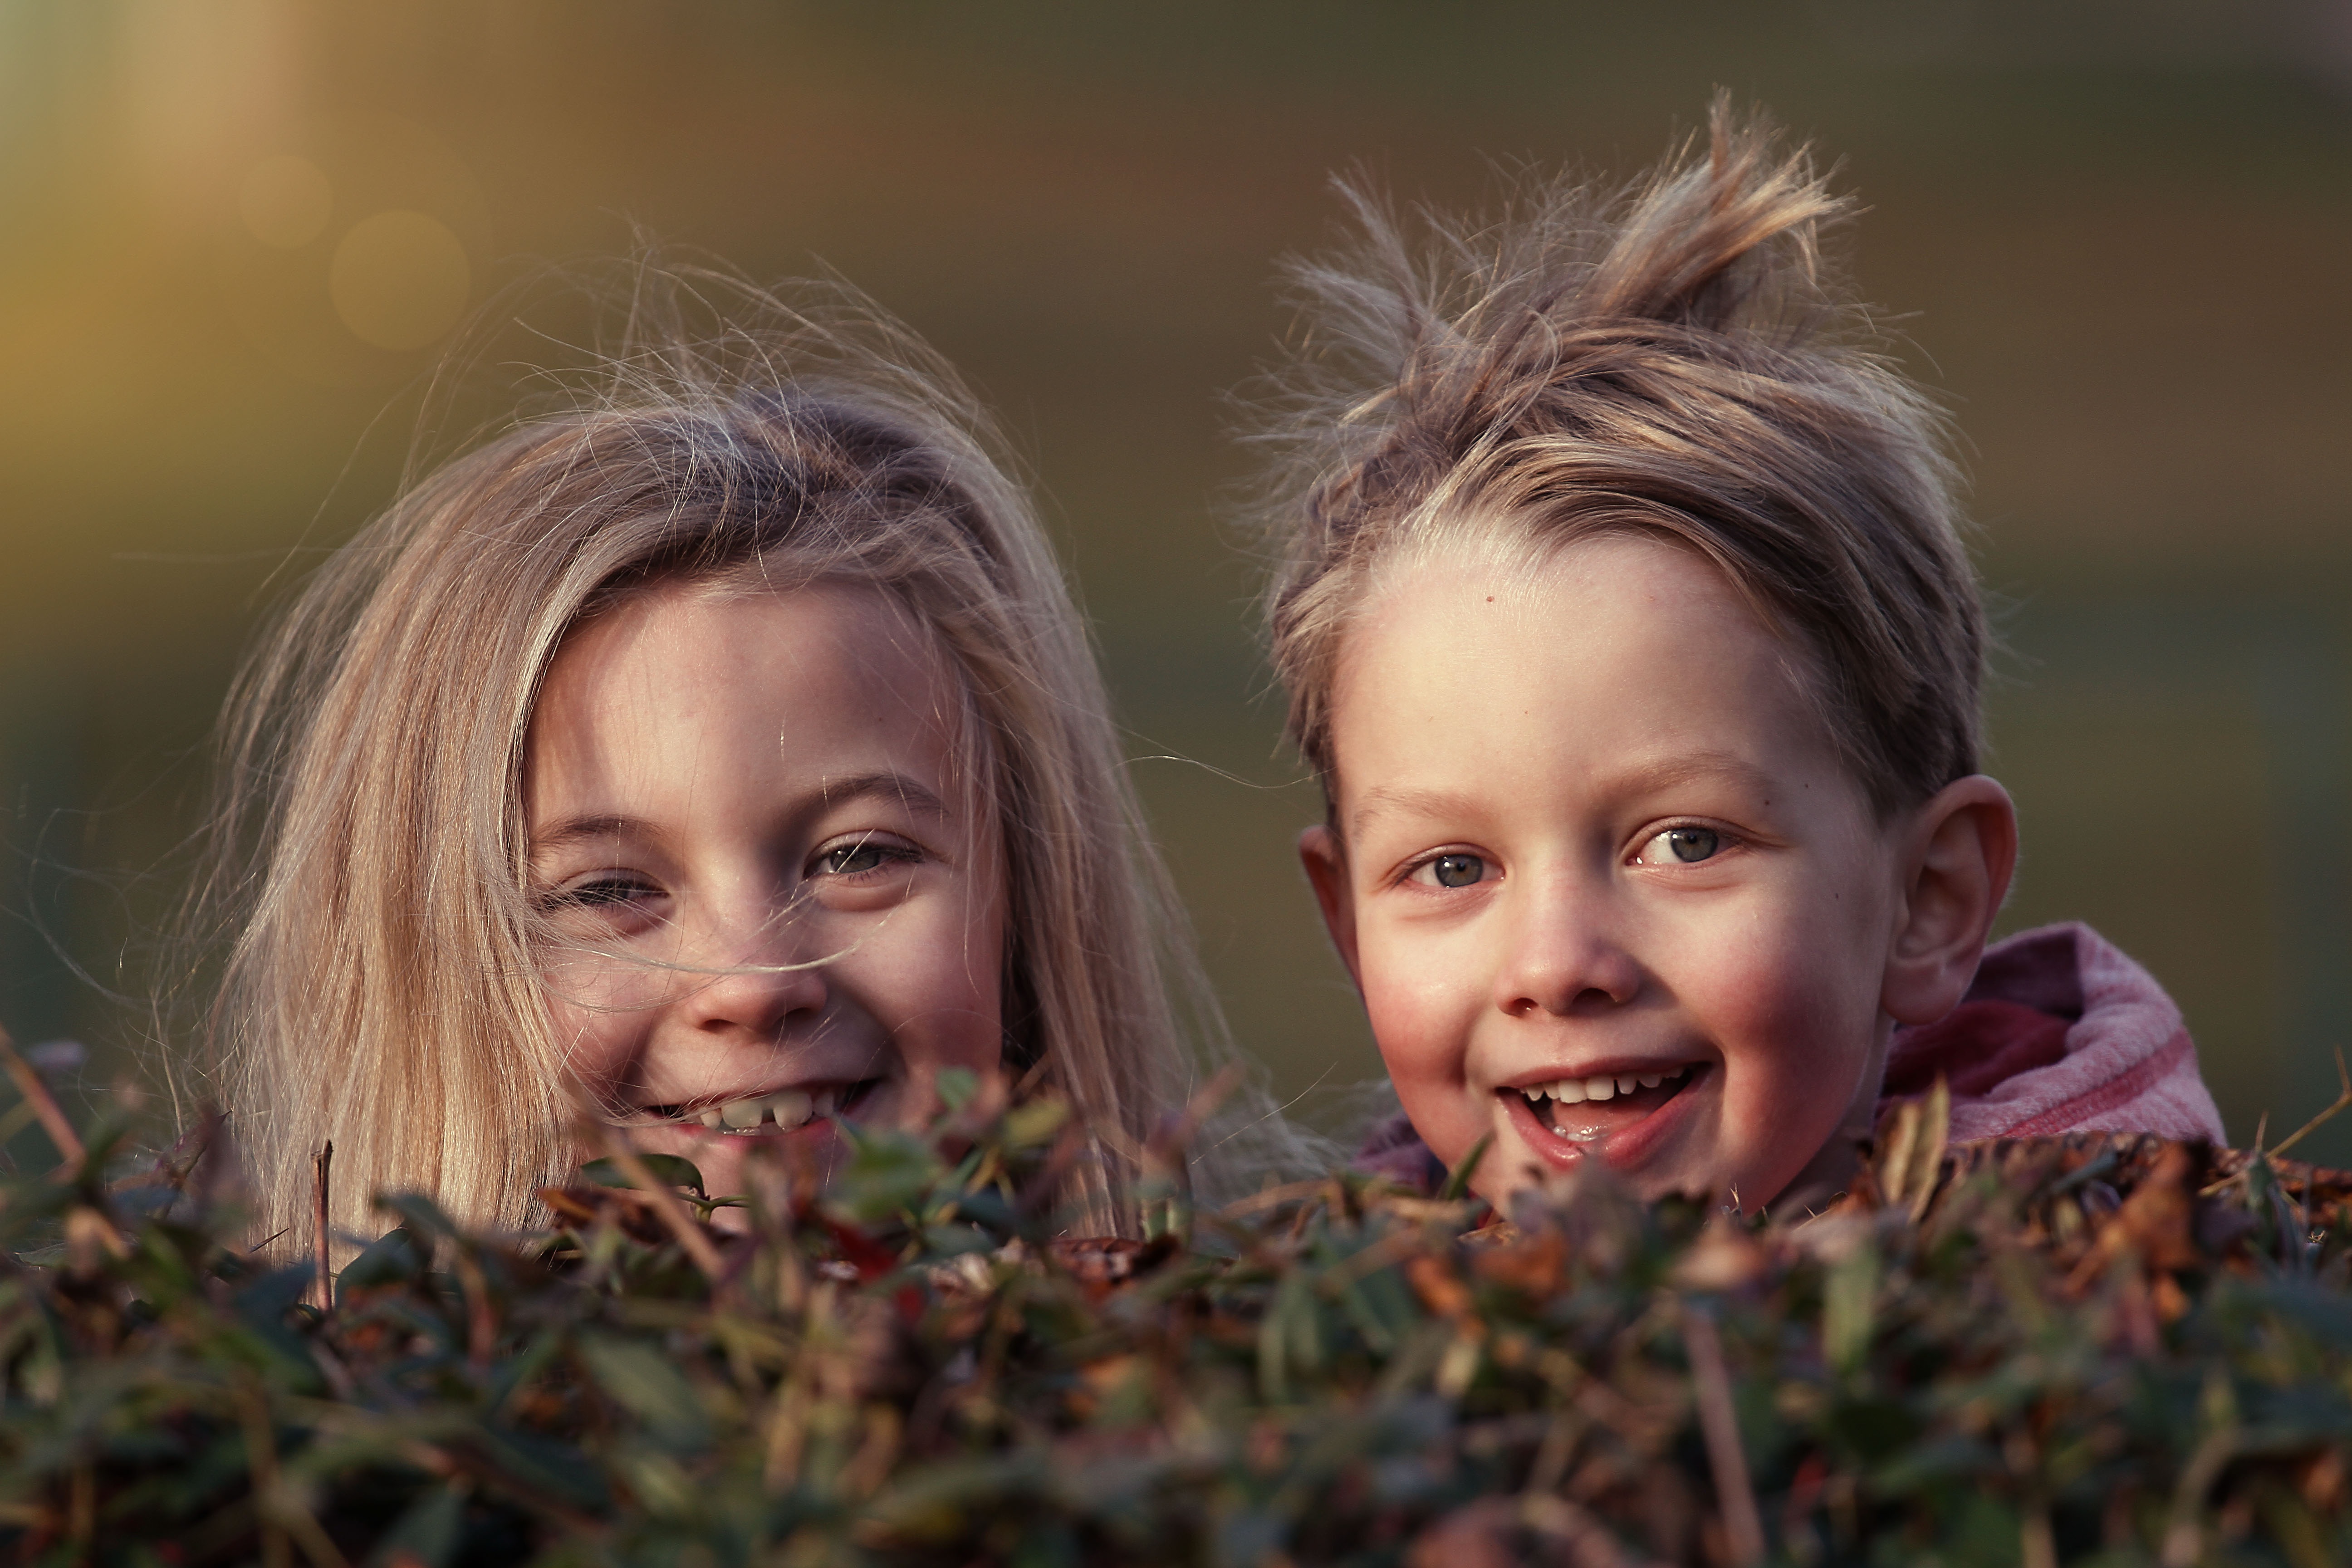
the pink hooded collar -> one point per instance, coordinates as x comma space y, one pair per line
2060, 1032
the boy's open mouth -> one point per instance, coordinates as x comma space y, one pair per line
781, 1110
1588, 1109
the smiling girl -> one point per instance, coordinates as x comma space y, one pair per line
727, 750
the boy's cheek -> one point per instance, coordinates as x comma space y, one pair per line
1421, 1028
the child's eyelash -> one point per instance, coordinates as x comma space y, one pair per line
596, 892
833, 860
1406, 874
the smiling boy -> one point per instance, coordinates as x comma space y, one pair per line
1625, 618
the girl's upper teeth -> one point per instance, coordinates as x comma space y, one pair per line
786, 1108
1601, 1086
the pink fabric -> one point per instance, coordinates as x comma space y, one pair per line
2060, 1032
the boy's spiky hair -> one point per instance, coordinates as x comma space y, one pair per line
1671, 360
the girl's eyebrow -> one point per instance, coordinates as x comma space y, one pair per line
906, 791
885, 786
573, 830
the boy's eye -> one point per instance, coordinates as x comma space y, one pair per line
1458, 871
1682, 845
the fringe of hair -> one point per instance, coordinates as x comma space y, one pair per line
1674, 358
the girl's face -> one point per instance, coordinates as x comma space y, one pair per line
747, 820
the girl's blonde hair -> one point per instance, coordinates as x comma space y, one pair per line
1671, 360
384, 990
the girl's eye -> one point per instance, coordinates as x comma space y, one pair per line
1458, 871
1683, 845
602, 892
862, 856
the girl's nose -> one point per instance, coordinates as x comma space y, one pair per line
1564, 954
755, 981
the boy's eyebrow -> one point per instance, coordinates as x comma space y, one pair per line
1644, 779
886, 786
1668, 772
1389, 799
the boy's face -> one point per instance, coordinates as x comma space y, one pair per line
1602, 878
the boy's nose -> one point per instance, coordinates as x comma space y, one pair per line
1564, 956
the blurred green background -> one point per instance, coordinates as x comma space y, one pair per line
2115, 236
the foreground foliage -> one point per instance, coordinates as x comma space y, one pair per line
2088, 1349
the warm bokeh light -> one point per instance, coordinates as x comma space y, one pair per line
2114, 239
285, 200
399, 279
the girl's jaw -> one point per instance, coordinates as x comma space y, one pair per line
772, 906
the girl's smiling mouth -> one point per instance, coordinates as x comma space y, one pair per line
754, 1115
1621, 1116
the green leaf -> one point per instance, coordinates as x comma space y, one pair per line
392, 1258
956, 1087
428, 1533
642, 1382
888, 1173
419, 1213
670, 1170
1038, 1122
1457, 1181
1849, 1308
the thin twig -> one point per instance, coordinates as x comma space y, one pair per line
261, 1463
2343, 1101
665, 1203
45, 1104
1720, 1425
1272, 1198
321, 1240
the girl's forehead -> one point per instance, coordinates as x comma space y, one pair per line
680, 689
705, 633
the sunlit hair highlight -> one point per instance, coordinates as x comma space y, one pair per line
1672, 360
384, 987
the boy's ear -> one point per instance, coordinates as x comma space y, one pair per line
1326, 872
1961, 849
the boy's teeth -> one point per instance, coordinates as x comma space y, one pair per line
790, 1107
1608, 1086
711, 1119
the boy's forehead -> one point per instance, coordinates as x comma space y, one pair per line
1580, 611
1619, 658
